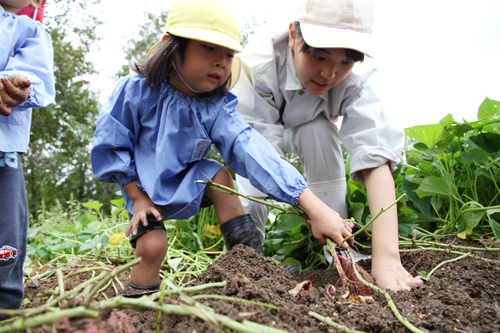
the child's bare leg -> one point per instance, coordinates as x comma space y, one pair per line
226, 206
236, 226
152, 247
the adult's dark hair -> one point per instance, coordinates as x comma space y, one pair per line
350, 53
157, 69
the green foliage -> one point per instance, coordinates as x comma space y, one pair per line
58, 159
149, 34
58, 233
453, 171
86, 230
288, 240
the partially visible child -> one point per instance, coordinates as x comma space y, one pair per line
27, 81
293, 86
155, 131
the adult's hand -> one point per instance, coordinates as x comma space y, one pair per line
14, 90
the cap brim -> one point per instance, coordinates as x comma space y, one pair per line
323, 37
207, 35
235, 72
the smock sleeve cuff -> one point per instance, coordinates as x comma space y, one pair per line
31, 100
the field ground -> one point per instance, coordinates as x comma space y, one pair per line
460, 296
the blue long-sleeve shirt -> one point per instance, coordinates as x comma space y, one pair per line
160, 138
25, 49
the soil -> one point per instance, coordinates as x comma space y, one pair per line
460, 296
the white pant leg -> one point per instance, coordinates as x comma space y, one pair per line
320, 152
259, 211
317, 145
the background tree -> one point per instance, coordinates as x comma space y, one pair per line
57, 163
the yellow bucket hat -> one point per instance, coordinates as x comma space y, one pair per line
204, 20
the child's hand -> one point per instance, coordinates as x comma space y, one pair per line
391, 275
14, 90
330, 224
325, 222
143, 206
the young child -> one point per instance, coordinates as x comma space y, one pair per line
294, 84
155, 131
27, 81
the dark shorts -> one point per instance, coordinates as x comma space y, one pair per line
152, 225
141, 230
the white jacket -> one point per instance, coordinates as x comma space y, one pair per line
268, 80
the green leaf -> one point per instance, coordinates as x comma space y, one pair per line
273, 244
191, 241
93, 205
184, 225
487, 141
96, 242
120, 203
356, 210
446, 137
288, 222
291, 260
495, 226
32, 232
447, 120
468, 221
475, 155
488, 108
406, 224
87, 218
424, 275
436, 203
441, 186
289, 248
427, 134
299, 231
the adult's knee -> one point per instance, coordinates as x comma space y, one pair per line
318, 147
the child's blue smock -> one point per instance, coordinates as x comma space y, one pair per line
160, 138
25, 49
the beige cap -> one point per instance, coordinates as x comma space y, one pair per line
337, 24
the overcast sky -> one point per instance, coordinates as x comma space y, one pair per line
434, 56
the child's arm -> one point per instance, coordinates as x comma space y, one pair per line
386, 263
143, 206
325, 222
14, 90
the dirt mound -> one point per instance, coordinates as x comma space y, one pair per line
460, 296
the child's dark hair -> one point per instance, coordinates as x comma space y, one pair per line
158, 68
350, 53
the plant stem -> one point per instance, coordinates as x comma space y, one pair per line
331, 248
160, 300
236, 300
90, 269
330, 322
471, 249
23, 323
246, 326
391, 304
372, 220
447, 251
60, 281
108, 278
447, 261
228, 190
